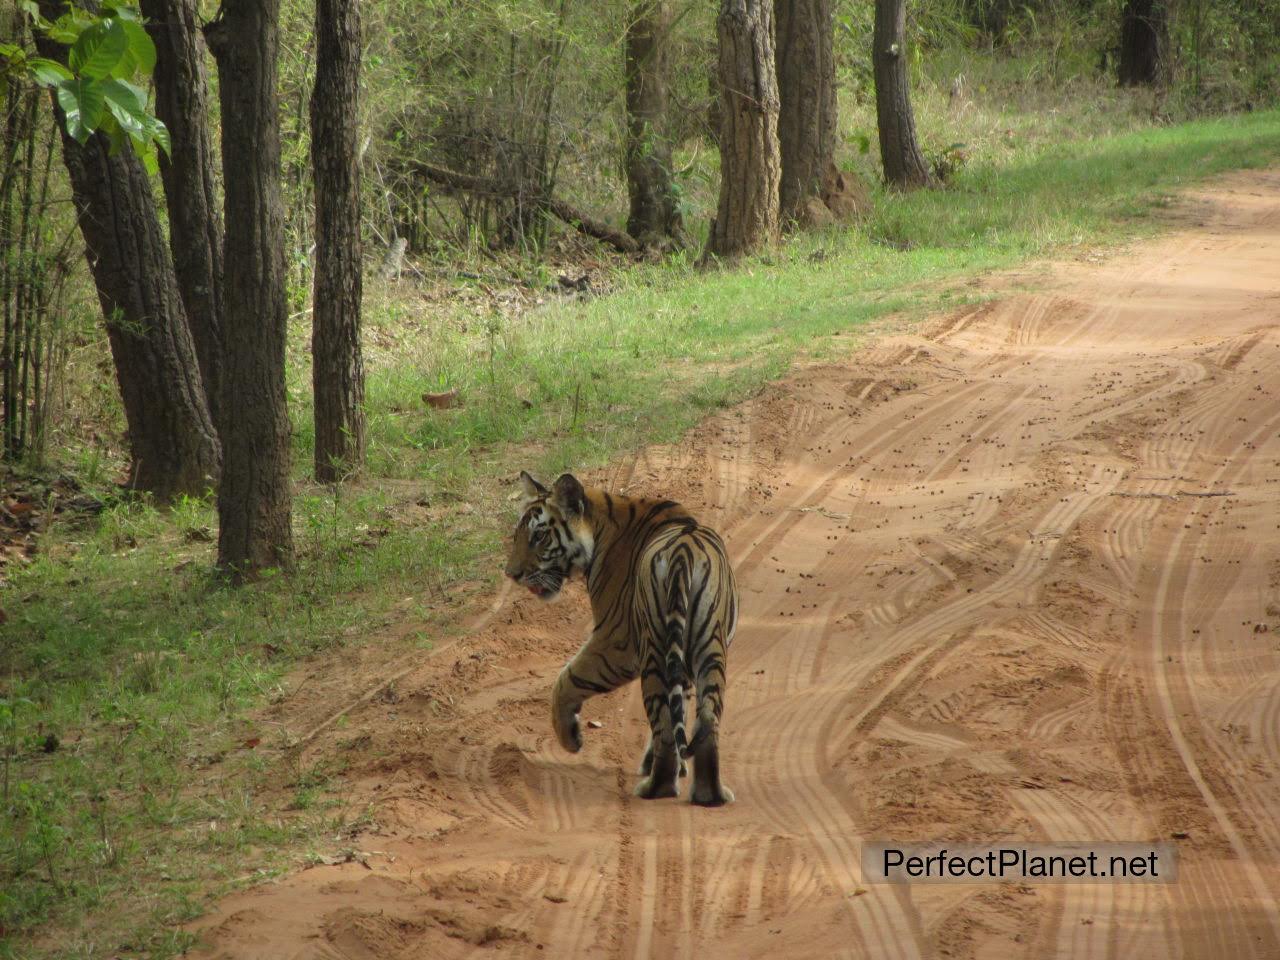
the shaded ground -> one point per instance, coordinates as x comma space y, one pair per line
1012, 575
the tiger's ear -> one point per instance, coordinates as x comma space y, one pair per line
569, 495
530, 489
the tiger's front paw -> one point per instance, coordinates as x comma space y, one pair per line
568, 727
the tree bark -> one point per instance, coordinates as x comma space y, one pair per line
190, 185
337, 370
750, 164
654, 215
1144, 38
807, 95
904, 164
172, 441
254, 508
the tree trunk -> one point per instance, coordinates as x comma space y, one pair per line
807, 94
337, 371
190, 186
1144, 37
171, 437
654, 216
904, 165
254, 509
750, 165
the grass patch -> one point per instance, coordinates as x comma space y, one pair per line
130, 673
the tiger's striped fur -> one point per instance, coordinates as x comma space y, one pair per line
665, 607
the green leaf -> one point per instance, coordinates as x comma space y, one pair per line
159, 134
128, 104
115, 136
9, 50
68, 27
141, 54
127, 96
124, 11
66, 35
49, 73
81, 100
99, 50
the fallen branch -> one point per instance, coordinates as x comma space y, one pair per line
557, 208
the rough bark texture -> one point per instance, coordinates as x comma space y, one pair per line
171, 437
190, 185
655, 215
337, 370
750, 163
904, 164
1144, 37
807, 96
254, 497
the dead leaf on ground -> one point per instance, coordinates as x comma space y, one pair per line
442, 401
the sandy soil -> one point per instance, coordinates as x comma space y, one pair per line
1011, 575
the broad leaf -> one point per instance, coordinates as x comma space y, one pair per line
128, 104
99, 50
127, 96
159, 133
49, 73
68, 27
123, 11
82, 101
141, 54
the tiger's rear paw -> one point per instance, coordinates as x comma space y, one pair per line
646, 763
652, 789
710, 797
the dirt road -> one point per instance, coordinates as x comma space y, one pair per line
1014, 574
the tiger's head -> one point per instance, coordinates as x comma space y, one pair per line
553, 537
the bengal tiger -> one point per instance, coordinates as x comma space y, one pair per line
665, 607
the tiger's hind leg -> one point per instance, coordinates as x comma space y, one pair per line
708, 789
646, 762
661, 757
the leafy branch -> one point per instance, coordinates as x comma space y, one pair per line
108, 54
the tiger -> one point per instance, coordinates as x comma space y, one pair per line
665, 608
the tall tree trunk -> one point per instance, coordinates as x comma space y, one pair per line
254, 509
750, 165
807, 94
654, 214
1144, 37
904, 164
172, 442
337, 366
190, 186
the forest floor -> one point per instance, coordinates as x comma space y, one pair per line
1010, 573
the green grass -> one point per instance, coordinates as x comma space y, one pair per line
122, 645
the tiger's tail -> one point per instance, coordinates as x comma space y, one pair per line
677, 629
